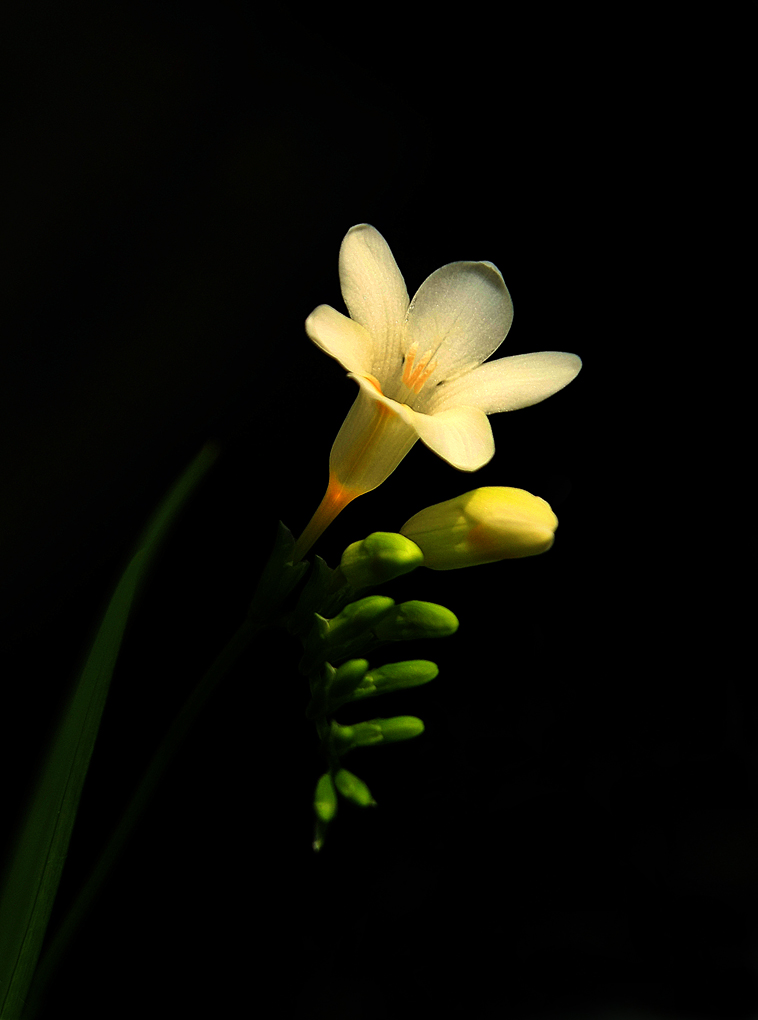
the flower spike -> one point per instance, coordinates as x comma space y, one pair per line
421, 368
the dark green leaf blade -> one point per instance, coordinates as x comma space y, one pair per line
32, 879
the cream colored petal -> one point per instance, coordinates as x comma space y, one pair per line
509, 383
375, 293
461, 435
341, 338
374, 438
461, 314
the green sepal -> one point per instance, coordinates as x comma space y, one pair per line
277, 579
313, 655
318, 596
346, 635
354, 789
321, 682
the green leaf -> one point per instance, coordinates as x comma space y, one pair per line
32, 878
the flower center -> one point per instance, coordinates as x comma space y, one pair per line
417, 371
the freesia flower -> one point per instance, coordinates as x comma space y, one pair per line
420, 368
483, 526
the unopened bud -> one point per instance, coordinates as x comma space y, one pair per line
358, 617
482, 526
353, 788
379, 558
401, 727
395, 676
374, 731
416, 620
325, 800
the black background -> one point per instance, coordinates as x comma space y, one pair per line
575, 833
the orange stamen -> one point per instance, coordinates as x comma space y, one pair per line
415, 377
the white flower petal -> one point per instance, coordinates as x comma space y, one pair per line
340, 337
374, 292
374, 438
461, 435
461, 314
509, 383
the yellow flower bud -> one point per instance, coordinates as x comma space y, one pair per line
381, 557
482, 526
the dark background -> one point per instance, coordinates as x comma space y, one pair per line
575, 833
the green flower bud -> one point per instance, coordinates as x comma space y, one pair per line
416, 620
401, 727
379, 558
374, 731
482, 526
358, 617
348, 677
325, 800
394, 676
353, 788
